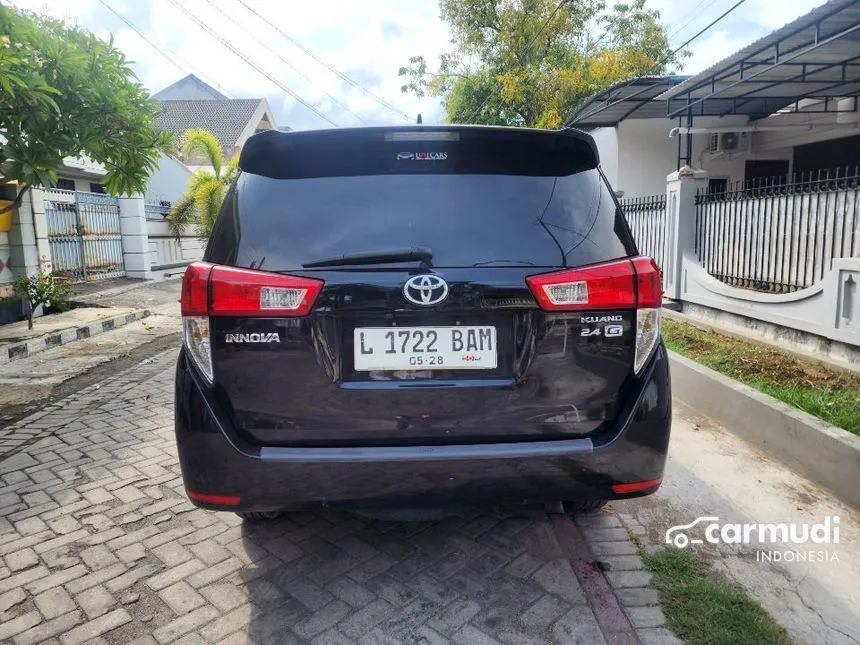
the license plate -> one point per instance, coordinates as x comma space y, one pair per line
425, 348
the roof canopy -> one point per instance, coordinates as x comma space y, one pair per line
815, 57
631, 99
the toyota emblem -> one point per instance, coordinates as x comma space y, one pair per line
425, 289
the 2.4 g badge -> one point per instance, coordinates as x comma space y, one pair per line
609, 325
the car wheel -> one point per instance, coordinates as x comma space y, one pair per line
260, 516
584, 505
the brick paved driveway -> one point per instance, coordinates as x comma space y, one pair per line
99, 544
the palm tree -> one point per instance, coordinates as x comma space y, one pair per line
201, 202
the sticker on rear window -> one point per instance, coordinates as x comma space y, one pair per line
422, 156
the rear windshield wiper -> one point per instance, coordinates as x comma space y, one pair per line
422, 254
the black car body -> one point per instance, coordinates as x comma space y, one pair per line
420, 315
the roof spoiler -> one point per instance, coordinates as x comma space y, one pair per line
411, 149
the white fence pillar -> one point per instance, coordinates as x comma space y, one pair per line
681, 188
29, 251
40, 229
135, 242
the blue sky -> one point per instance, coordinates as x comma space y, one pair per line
366, 40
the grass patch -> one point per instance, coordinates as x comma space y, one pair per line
703, 609
829, 394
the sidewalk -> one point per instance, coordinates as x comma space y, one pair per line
158, 297
60, 369
101, 308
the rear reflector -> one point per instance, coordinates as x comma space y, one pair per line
226, 500
636, 486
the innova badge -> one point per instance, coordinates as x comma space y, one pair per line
252, 338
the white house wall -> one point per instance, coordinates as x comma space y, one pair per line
168, 181
646, 155
82, 185
638, 154
251, 127
777, 141
607, 147
730, 166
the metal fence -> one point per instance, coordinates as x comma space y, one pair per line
84, 234
779, 234
647, 219
156, 210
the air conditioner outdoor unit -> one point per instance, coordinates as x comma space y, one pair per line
728, 142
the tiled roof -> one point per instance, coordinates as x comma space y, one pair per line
226, 119
189, 87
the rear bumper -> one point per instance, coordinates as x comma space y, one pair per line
227, 473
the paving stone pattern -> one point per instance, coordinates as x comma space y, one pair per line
98, 544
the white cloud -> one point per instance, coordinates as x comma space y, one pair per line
366, 40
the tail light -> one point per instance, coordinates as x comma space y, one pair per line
649, 299
620, 284
213, 290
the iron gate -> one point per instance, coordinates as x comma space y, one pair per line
84, 235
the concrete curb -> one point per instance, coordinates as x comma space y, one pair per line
23, 349
825, 454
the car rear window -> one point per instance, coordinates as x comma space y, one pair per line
496, 201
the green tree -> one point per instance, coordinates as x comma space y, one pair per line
202, 200
531, 62
66, 93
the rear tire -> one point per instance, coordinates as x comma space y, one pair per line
260, 516
585, 505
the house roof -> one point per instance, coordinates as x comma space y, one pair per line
226, 118
630, 99
188, 87
816, 56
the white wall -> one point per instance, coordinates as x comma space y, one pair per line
168, 181
638, 154
165, 250
646, 155
260, 113
607, 147
81, 184
825, 128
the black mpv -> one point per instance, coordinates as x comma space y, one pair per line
420, 316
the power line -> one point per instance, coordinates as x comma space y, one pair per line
669, 56
695, 12
249, 62
287, 63
333, 70
156, 47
